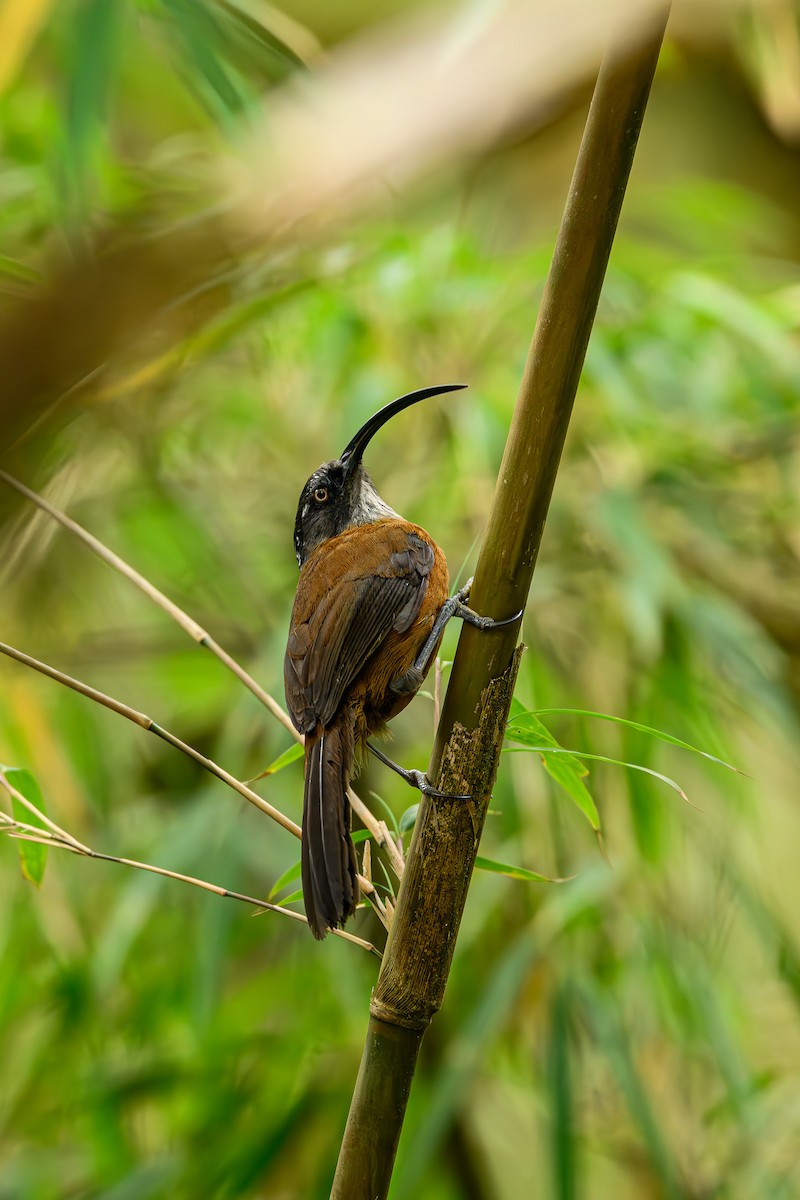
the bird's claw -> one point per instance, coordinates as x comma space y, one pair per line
419, 780
467, 614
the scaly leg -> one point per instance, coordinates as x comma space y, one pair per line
455, 606
417, 779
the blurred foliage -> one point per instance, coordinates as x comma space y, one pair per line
632, 1032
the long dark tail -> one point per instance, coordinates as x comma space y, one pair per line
328, 857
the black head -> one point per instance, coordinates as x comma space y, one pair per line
340, 493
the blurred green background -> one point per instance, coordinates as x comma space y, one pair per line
630, 1033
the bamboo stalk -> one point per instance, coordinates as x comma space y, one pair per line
441, 858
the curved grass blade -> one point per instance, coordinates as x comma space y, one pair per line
283, 760
499, 868
98, 26
258, 41
565, 1120
391, 819
615, 762
289, 875
648, 729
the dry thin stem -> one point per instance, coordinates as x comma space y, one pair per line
437, 693
377, 829
372, 896
150, 725
187, 623
145, 722
64, 841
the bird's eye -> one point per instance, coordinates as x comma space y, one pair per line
321, 495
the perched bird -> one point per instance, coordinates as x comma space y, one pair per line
368, 617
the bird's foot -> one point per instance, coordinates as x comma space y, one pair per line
415, 779
461, 609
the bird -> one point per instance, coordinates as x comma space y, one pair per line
371, 604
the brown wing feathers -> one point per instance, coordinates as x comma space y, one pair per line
335, 632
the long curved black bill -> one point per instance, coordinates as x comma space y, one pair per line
352, 453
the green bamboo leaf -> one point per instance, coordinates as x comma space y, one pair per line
615, 762
531, 731
564, 1141
199, 29
391, 819
257, 43
32, 855
283, 760
409, 818
289, 875
568, 772
499, 868
648, 729
97, 34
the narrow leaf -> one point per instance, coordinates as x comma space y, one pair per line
564, 1141
32, 855
498, 868
257, 37
656, 733
283, 760
568, 772
615, 762
199, 30
409, 818
289, 875
97, 42
391, 819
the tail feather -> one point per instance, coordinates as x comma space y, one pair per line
328, 857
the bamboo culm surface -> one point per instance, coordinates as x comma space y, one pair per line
441, 858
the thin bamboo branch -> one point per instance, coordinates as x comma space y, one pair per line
377, 829
31, 807
19, 831
147, 723
187, 623
441, 858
